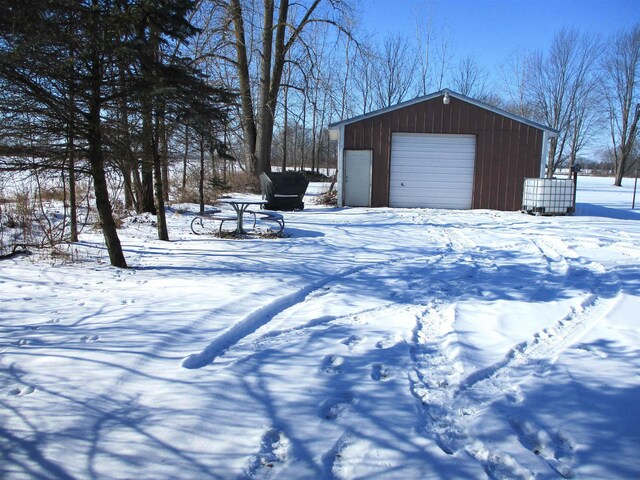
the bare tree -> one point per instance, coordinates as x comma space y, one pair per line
433, 50
424, 40
364, 79
470, 79
349, 60
280, 30
516, 79
443, 58
585, 120
395, 71
621, 87
559, 91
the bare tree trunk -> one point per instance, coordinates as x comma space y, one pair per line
325, 94
212, 156
304, 133
444, 54
259, 133
137, 183
424, 51
148, 205
163, 232
184, 158
128, 186
201, 179
158, 183
133, 192
224, 159
626, 148
131, 174
345, 82
242, 65
295, 147
285, 132
73, 209
164, 152
313, 135
71, 167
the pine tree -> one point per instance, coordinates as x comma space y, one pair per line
69, 64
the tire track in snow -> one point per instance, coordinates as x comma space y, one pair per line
260, 317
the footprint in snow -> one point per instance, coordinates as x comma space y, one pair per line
334, 408
333, 460
358, 319
556, 449
380, 373
387, 342
497, 465
22, 391
352, 341
21, 343
514, 395
90, 338
331, 365
274, 449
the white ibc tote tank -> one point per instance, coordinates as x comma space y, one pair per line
548, 196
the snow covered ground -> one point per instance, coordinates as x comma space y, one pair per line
370, 343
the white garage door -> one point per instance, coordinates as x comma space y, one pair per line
432, 170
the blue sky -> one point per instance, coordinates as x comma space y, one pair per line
492, 29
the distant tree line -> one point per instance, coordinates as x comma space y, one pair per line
582, 85
165, 93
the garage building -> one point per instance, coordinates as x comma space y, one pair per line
443, 150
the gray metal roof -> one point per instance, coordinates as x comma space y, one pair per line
452, 94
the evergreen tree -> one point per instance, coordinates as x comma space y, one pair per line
69, 64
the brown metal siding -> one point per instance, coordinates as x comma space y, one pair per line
507, 151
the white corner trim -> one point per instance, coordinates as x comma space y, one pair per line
340, 182
545, 152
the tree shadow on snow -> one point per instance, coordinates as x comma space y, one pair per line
575, 415
593, 210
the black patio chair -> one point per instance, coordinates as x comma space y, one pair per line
283, 190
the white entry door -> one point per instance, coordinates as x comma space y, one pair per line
357, 178
432, 170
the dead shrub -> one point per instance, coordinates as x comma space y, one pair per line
215, 187
330, 198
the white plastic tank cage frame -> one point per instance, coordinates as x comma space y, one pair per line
548, 196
